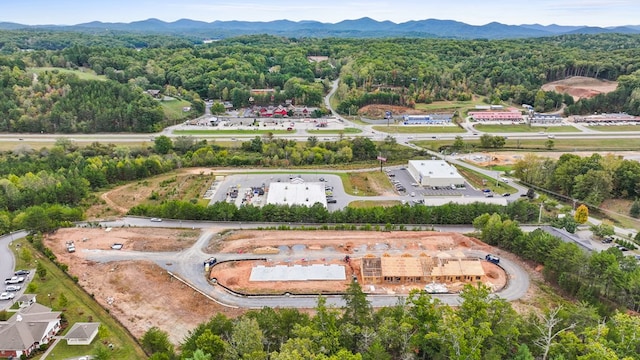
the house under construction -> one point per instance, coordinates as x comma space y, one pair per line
442, 268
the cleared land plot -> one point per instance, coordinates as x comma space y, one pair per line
580, 87
82, 73
173, 110
139, 293
303, 248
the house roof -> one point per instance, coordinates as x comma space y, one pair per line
26, 327
82, 330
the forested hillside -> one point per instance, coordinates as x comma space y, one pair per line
374, 71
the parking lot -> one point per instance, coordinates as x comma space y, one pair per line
253, 188
405, 184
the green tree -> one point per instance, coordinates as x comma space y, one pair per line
156, 341
210, 344
217, 108
200, 355
634, 211
26, 255
163, 144
41, 270
582, 214
63, 301
549, 144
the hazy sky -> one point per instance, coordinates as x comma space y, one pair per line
476, 12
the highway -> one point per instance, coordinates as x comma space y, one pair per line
301, 133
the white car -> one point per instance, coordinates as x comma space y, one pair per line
13, 288
7, 296
156, 219
14, 280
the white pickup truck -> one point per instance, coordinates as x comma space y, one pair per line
14, 280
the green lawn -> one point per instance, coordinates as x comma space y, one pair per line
522, 128
412, 129
230, 132
361, 204
173, 110
616, 128
348, 130
447, 105
481, 181
576, 144
83, 73
80, 307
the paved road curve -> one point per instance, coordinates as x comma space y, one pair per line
187, 264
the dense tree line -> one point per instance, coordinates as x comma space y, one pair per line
55, 102
419, 327
383, 71
606, 278
522, 211
590, 179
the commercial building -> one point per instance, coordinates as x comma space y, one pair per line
545, 119
619, 118
497, 116
431, 119
297, 192
434, 173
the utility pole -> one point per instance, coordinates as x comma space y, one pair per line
540, 214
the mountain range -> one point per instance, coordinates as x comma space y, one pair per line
359, 28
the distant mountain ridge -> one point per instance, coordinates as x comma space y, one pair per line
359, 28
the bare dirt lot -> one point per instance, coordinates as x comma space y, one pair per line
330, 247
141, 294
580, 87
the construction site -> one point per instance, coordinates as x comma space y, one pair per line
383, 263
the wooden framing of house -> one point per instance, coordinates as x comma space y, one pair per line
408, 269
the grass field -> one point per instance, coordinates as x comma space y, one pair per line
481, 181
173, 110
522, 128
230, 132
365, 183
447, 105
411, 129
616, 128
348, 130
80, 307
360, 204
559, 144
84, 74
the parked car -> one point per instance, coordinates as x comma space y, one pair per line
13, 288
21, 272
331, 201
7, 296
14, 280
506, 194
117, 246
492, 258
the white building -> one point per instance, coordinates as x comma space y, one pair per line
297, 193
434, 173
